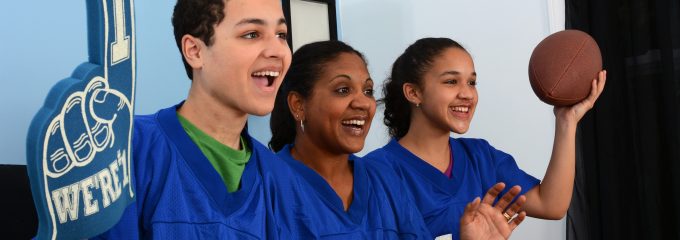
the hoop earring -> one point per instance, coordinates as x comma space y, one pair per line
302, 124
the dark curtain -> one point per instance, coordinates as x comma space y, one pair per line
628, 147
18, 219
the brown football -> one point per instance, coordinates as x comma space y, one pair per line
563, 66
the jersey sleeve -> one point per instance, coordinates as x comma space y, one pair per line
131, 224
507, 171
128, 226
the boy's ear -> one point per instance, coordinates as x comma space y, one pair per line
412, 93
296, 106
191, 50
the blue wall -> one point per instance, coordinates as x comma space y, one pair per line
43, 41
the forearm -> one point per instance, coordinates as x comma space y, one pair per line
550, 200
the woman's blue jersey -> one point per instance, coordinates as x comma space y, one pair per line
381, 208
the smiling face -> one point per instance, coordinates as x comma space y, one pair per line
339, 112
245, 64
449, 95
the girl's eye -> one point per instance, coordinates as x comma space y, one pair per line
472, 83
342, 90
369, 92
282, 35
251, 35
451, 81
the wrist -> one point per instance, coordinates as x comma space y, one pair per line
565, 125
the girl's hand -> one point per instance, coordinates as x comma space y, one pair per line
484, 220
574, 113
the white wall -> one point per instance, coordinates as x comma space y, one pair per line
43, 41
500, 35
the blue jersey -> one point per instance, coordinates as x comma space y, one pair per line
381, 207
180, 195
477, 166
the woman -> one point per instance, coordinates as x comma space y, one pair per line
432, 92
322, 114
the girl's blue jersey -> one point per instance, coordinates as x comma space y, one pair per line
477, 166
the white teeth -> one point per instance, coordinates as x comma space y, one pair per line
266, 73
460, 109
354, 122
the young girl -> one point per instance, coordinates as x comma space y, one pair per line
431, 93
322, 114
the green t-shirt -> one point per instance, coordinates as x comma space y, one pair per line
228, 162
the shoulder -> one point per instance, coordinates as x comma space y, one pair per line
390, 156
157, 131
270, 162
378, 170
385, 155
153, 154
473, 142
146, 127
373, 161
481, 152
147, 134
381, 158
475, 146
278, 176
378, 154
144, 119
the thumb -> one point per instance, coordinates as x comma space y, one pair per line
106, 104
469, 214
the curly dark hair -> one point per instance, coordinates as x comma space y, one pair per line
196, 18
409, 67
309, 62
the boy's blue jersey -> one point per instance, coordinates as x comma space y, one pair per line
180, 195
477, 166
381, 207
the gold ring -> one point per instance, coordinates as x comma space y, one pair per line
507, 216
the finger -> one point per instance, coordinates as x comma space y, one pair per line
516, 206
106, 107
515, 222
92, 93
101, 118
587, 103
508, 197
98, 125
597, 86
78, 141
468, 214
602, 81
591, 96
57, 160
493, 192
593, 89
